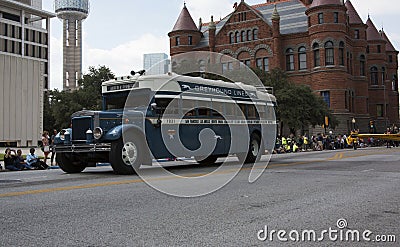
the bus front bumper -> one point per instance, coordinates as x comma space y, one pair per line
83, 148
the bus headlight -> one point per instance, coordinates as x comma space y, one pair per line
97, 133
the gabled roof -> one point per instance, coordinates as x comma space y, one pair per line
317, 3
354, 18
372, 32
185, 21
389, 45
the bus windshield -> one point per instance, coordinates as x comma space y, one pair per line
128, 99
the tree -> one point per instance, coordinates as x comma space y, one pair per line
60, 105
298, 106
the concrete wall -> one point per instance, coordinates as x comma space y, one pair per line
21, 100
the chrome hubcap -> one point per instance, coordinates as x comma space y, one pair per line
129, 153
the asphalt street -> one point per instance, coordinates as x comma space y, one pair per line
316, 191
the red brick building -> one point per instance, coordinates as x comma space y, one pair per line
321, 43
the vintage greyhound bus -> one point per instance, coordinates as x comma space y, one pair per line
145, 118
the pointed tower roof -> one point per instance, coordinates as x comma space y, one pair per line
389, 45
275, 14
354, 18
185, 21
372, 32
317, 3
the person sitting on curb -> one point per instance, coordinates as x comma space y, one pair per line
9, 161
33, 160
19, 160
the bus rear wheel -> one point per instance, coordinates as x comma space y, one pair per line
126, 156
69, 164
206, 161
254, 152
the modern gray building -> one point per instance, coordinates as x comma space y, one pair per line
24, 70
72, 13
156, 63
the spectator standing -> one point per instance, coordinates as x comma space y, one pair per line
45, 145
53, 153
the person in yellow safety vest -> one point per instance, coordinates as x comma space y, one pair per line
305, 143
284, 143
295, 147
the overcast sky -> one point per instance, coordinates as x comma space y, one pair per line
117, 33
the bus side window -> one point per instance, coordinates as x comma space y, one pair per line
168, 106
204, 108
189, 107
229, 109
252, 112
262, 111
217, 110
243, 109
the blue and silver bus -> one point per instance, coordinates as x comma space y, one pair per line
146, 118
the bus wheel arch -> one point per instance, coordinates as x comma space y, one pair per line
127, 153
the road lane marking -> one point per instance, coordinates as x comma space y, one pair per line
133, 181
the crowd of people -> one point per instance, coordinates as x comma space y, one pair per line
319, 142
14, 160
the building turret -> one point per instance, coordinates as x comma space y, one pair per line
185, 35
212, 28
276, 19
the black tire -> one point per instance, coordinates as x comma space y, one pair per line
69, 164
206, 161
126, 157
254, 152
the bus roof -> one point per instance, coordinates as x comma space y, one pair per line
174, 82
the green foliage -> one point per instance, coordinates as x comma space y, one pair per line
60, 105
298, 106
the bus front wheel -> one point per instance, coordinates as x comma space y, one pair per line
68, 163
126, 156
254, 152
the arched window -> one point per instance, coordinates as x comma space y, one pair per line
362, 65
329, 54
237, 34
231, 38
374, 75
255, 34
249, 35
243, 36
289, 59
341, 53
302, 58
317, 59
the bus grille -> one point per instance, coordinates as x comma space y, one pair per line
79, 127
